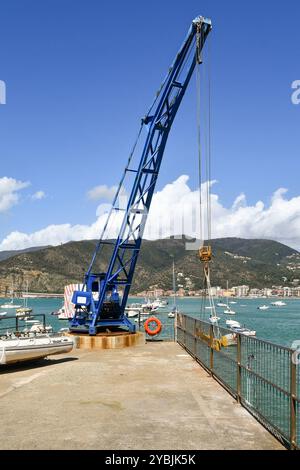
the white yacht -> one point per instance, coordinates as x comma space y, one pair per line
263, 307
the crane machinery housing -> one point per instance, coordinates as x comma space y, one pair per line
99, 304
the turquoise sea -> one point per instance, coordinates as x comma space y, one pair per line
280, 325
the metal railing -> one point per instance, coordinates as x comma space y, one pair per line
16, 324
262, 376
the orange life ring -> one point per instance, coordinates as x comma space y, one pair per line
157, 330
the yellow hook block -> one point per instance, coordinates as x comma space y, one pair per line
205, 253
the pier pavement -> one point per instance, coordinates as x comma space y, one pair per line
154, 396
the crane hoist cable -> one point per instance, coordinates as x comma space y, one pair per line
205, 251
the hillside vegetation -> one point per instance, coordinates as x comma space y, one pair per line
257, 263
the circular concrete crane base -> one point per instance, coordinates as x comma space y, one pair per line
113, 340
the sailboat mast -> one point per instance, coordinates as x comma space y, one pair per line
174, 285
227, 296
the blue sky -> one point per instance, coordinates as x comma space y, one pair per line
80, 74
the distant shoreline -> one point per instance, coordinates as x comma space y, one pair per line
61, 296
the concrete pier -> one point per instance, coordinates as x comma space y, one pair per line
152, 396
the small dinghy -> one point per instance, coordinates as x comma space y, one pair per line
17, 349
33, 342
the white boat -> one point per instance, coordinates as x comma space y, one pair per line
158, 303
278, 303
228, 310
27, 348
232, 302
231, 339
233, 323
132, 313
3, 314
263, 307
25, 310
150, 306
10, 305
214, 320
243, 331
133, 307
220, 304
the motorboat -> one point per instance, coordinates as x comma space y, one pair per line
278, 303
32, 346
243, 331
3, 314
233, 302
233, 323
214, 320
263, 307
220, 304
229, 311
134, 306
132, 313
150, 306
36, 326
158, 303
21, 312
10, 305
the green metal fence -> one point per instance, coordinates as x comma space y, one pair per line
262, 376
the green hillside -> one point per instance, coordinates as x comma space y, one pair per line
258, 263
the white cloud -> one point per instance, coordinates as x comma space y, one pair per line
175, 210
102, 192
38, 195
9, 188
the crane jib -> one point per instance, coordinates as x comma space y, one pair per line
99, 304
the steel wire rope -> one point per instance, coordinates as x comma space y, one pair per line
207, 170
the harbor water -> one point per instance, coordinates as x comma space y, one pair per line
280, 325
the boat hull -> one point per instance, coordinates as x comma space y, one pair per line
28, 349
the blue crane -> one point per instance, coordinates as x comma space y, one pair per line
99, 303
